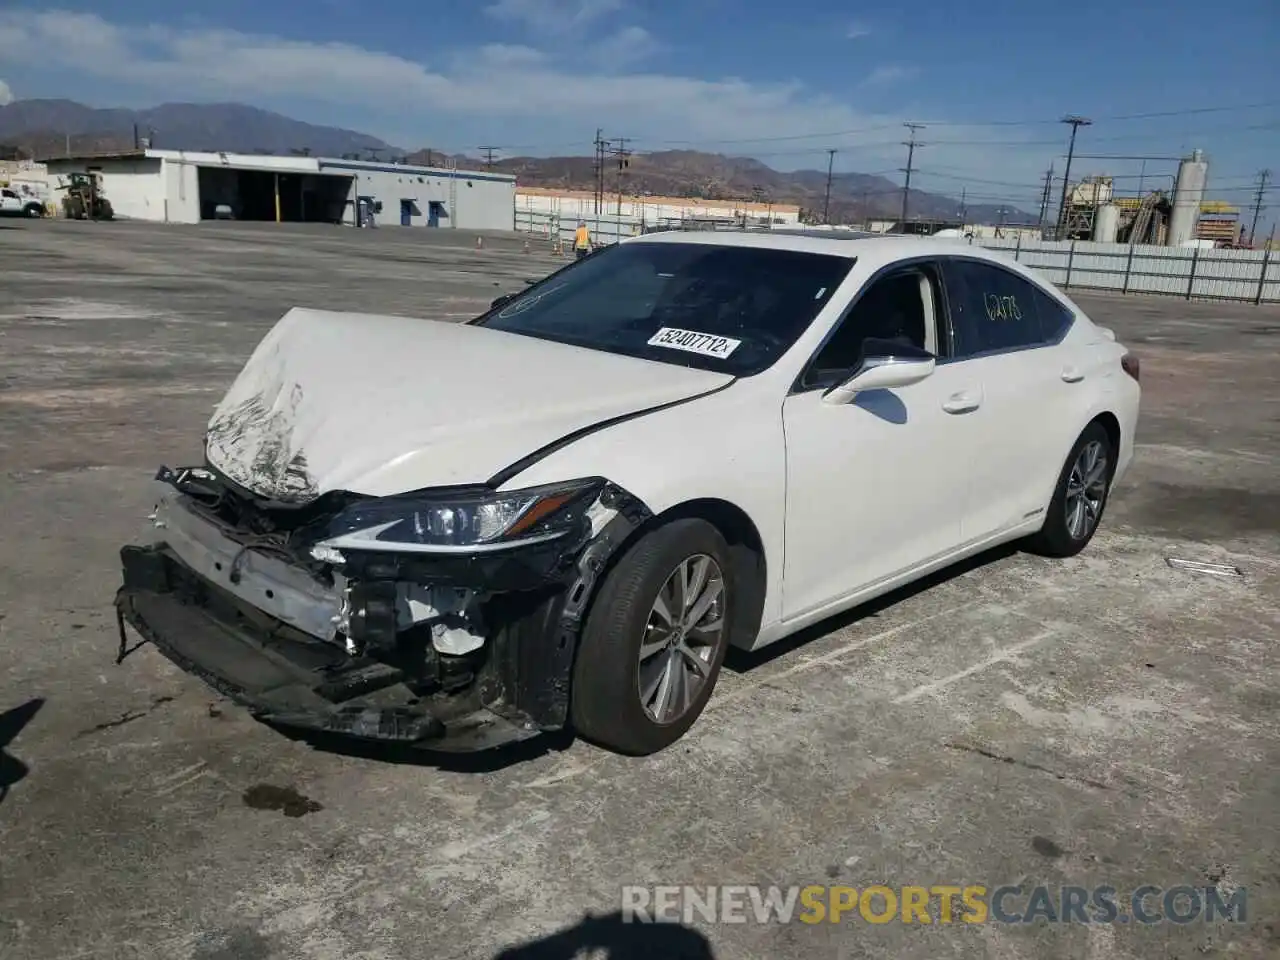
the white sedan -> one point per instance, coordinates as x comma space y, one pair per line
564, 512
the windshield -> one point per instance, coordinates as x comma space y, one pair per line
724, 308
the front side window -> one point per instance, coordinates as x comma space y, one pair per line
729, 309
897, 307
994, 310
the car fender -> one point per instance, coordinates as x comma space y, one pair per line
726, 446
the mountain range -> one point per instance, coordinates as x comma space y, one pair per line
50, 128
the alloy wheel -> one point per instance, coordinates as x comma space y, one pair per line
681, 636
1086, 490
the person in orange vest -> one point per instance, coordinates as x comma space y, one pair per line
581, 240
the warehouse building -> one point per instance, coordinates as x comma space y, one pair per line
176, 186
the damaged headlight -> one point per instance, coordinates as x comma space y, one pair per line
444, 522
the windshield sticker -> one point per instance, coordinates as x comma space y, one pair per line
691, 341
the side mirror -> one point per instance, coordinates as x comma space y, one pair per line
499, 301
885, 365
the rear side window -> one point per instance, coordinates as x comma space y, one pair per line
993, 310
1055, 319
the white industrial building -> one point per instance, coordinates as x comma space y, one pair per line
581, 205
176, 186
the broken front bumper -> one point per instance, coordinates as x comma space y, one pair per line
285, 677
261, 630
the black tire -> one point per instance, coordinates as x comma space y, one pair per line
606, 703
1055, 538
35, 211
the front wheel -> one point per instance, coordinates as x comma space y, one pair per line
655, 639
35, 211
1080, 497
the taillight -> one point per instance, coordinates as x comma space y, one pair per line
1129, 364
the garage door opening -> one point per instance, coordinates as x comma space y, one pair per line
266, 196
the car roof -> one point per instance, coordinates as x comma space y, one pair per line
872, 248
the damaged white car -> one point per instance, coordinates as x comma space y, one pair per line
563, 513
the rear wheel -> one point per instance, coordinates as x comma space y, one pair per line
655, 639
1080, 497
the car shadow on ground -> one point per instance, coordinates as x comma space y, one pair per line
11, 723
610, 938
736, 661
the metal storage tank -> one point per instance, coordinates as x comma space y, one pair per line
1193, 174
1106, 223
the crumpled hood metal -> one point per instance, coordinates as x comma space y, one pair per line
380, 405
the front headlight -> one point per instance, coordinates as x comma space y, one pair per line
461, 522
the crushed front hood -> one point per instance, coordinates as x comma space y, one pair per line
380, 405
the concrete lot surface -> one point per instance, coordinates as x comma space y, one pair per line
1106, 720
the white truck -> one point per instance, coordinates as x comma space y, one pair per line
13, 204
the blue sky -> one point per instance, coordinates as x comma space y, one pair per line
779, 81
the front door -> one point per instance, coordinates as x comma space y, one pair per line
433, 213
406, 213
876, 486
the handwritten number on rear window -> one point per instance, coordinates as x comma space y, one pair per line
1001, 308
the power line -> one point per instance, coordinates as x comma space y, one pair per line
910, 143
1263, 177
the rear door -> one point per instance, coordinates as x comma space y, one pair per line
1009, 331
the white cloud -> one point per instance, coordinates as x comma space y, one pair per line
517, 94
6, 95
552, 16
857, 31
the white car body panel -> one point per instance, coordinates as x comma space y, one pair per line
848, 503
728, 446
872, 485
370, 404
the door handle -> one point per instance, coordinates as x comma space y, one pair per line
961, 403
1072, 375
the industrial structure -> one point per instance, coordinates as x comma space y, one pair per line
175, 186
1093, 211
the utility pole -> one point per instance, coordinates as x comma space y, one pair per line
623, 156
910, 143
964, 207
1263, 177
1076, 123
488, 156
599, 169
826, 198
1044, 197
